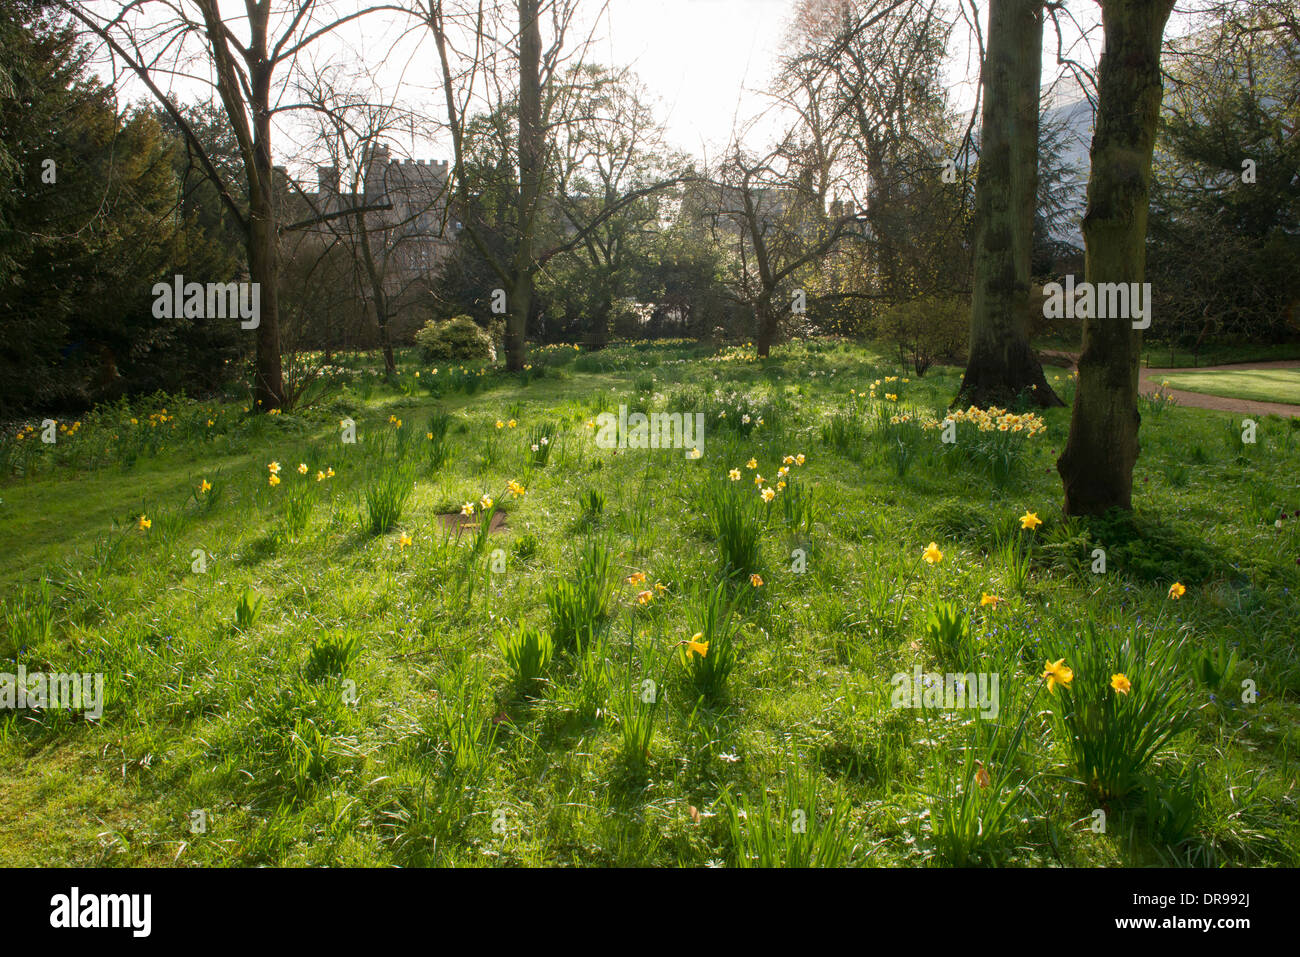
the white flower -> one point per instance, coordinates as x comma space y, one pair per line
535, 446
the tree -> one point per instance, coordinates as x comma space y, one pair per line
90, 218
1001, 365
771, 211
151, 38
1096, 467
615, 151
1224, 248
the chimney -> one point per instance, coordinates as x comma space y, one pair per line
327, 178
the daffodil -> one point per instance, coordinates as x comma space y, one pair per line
987, 599
697, 647
799, 459
467, 508
767, 494
273, 481
1029, 520
1056, 673
144, 524
1120, 683
932, 555
635, 578
752, 464
274, 468
205, 486
404, 540
485, 502
302, 468
644, 597
756, 580
1177, 590
734, 475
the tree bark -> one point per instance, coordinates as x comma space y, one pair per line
530, 179
264, 242
1097, 465
1001, 366
765, 319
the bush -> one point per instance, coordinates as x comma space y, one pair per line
927, 329
460, 339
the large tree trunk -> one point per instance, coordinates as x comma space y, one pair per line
1097, 465
1002, 366
530, 179
264, 254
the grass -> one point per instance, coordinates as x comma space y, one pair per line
1261, 385
398, 690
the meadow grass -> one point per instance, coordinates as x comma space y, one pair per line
441, 645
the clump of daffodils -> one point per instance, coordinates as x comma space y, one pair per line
993, 419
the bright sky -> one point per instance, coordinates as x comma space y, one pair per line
707, 62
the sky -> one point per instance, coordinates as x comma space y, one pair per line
706, 62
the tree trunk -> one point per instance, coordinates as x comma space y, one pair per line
530, 179
1001, 365
765, 318
1097, 465
264, 257
599, 338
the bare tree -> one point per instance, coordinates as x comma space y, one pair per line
248, 58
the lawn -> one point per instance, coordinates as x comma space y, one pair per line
1262, 385
313, 656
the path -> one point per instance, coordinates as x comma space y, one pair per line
1149, 381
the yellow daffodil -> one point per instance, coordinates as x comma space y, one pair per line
144, 524
767, 494
485, 502
644, 597
1056, 673
932, 555
302, 468
467, 508
404, 540
1120, 683
635, 578
1177, 590
987, 599
752, 464
756, 580
1030, 520
799, 459
273, 481
697, 647
734, 475
274, 468
329, 473
205, 486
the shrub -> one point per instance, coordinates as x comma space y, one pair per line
457, 340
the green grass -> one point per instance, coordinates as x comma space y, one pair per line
404, 695
1261, 385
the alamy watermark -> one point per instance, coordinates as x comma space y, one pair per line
658, 430
37, 689
1103, 300
949, 691
215, 300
